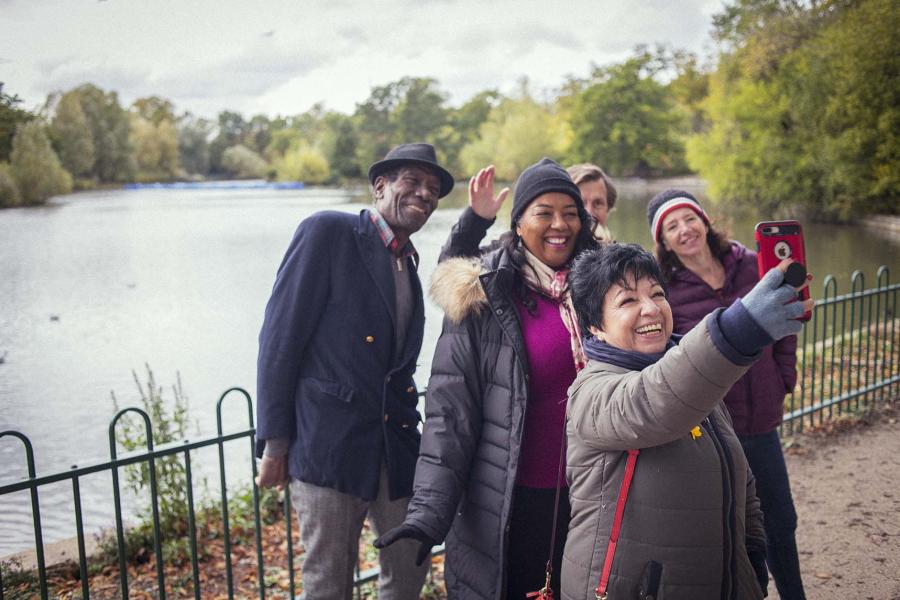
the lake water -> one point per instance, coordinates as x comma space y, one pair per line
96, 285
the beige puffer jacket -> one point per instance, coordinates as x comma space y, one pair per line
692, 507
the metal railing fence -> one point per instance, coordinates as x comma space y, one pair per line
151, 456
847, 362
848, 355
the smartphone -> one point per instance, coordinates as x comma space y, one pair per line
776, 241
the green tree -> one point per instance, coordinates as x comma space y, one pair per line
341, 152
154, 139
72, 136
10, 118
803, 108
9, 190
462, 127
193, 144
408, 110
517, 133
109, 127
35, 166
852, 99
258, 133
231, 131
154, 109
689, 88
155, 148
243, 163
626, 120
303, 164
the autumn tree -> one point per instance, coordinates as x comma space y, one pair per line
10, 118
154, 139
72, 136
803, 108
109, 127
243, 163
9, 189
35, 166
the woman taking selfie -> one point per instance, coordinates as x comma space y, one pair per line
662, 498
703, 271
489, 471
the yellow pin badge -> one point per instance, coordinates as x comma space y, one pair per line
696, 432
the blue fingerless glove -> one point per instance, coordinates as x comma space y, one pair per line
772, 305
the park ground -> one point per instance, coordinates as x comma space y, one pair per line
846, 484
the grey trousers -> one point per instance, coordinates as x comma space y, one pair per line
330, 526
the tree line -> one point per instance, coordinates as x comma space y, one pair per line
800, 110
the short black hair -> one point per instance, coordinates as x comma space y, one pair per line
595, 271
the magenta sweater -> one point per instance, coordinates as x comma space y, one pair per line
551, 372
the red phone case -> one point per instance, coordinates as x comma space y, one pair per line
777, 240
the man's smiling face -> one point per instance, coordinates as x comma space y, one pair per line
408, 200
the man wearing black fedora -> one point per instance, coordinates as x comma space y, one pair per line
336, 401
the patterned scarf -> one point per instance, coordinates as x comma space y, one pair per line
555, 285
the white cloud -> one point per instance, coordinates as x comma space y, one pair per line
282, 57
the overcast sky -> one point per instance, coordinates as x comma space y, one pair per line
281, 57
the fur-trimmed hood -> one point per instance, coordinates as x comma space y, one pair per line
456, 288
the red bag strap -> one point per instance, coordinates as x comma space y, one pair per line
617, 524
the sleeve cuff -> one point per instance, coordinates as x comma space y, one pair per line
470, 221
276, 447
736, 335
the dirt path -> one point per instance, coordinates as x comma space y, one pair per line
846, 487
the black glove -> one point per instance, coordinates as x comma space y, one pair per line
408, 532
758, 560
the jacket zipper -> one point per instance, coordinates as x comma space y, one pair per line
729, 588
498, 312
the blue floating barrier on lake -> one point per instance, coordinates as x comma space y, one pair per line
217, 185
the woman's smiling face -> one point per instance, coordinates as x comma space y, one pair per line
684, 232
636, 316
548, 228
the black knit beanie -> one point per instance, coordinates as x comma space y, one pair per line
544, 176
665, 202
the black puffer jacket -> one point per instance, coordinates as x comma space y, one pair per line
474, 417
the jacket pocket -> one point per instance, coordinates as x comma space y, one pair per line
318, 387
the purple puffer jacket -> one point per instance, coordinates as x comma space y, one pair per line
756, 402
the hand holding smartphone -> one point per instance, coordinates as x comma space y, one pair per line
780, 240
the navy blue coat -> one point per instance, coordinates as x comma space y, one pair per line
326, 374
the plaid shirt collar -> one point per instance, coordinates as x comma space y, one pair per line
388, 237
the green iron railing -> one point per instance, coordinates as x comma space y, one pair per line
151, 456
847, 362
848, 355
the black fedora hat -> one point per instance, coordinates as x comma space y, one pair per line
421, 154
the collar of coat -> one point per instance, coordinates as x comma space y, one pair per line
457, 285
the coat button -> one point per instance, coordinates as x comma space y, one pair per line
369, 339
387, 379
411, 389
499, 311
405, 426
